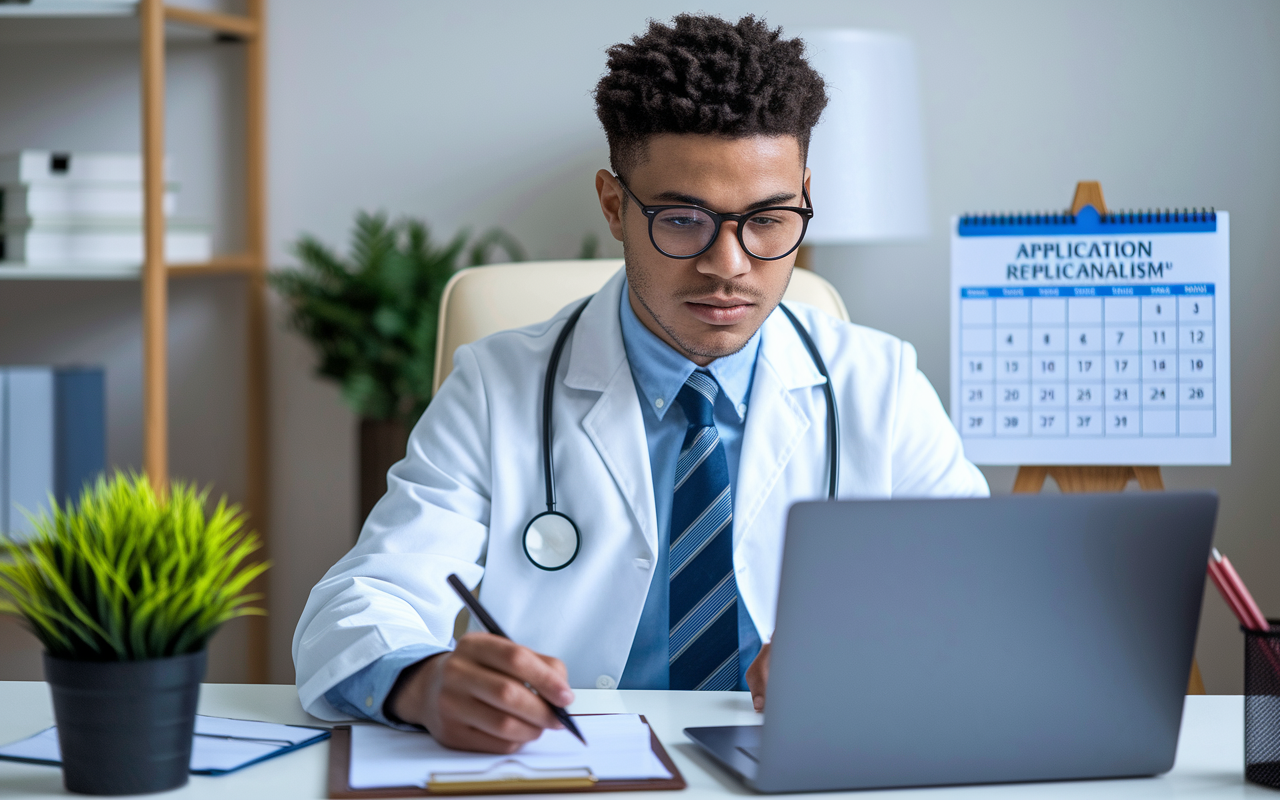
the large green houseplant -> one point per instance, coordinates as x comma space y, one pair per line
372, 317
124, 588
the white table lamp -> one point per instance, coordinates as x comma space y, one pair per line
867, 152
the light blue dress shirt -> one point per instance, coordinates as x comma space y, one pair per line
658, 372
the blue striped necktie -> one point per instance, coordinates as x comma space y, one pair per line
704, 595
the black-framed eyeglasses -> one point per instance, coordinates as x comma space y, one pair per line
683, 231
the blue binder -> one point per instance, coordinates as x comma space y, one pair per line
52, 438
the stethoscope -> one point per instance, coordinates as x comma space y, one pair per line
551, 540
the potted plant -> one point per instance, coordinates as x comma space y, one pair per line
373, 318
124, 590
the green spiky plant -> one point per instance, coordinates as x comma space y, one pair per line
373, 316
128, 574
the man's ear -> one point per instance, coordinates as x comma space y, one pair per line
611, 198
807, 174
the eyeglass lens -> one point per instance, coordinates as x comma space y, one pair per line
687, 231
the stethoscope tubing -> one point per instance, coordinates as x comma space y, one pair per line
548, 389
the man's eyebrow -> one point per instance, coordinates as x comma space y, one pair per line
687, 199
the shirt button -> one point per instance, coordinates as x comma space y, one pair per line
659, 402
368, 702
604, 682
742, 409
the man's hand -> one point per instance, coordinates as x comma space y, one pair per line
758, 677
475, 698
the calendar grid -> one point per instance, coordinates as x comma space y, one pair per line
1088, 361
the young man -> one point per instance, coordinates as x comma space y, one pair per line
687, 417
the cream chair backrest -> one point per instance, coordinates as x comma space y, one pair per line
485, 300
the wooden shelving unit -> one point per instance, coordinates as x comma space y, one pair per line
154, 273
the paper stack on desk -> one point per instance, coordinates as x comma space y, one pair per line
63, 209
618, 747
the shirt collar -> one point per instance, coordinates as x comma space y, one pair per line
660, 371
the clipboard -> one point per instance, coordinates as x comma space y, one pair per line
487, 783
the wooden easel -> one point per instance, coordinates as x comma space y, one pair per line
1097, 479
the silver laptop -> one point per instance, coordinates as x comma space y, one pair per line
926, 642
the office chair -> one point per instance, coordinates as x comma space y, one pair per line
484, 300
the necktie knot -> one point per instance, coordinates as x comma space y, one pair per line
697, 397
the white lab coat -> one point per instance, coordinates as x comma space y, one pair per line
472, 479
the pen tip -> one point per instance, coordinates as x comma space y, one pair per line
1216, 555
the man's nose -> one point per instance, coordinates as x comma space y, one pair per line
725, 258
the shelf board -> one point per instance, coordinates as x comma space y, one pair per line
70, 8
17, 271
112, 20
220, 265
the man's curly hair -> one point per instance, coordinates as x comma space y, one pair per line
706, 75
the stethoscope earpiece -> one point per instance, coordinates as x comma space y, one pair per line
551, 540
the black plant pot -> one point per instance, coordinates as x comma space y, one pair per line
125, 727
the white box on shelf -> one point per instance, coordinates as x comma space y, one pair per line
40, 245
53, 201
29, 166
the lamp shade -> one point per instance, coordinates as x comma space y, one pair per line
867, 152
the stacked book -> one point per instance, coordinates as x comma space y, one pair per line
52, 439
84, 209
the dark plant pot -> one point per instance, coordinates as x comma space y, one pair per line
382, 443
125, 727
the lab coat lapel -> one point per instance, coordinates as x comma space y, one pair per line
775, 430
614, 424
776, 422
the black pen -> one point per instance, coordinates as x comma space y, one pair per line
491, 626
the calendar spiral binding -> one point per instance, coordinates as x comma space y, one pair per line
1150, 216
1088, 222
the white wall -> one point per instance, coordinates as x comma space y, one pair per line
480, 114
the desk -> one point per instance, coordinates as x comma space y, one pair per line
1210, 760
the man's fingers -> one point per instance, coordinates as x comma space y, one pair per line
758, 677
499, 725
547, 675
505, 693
561, 673
460, 736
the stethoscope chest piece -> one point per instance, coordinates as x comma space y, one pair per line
551, 541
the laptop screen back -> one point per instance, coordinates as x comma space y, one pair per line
972, 641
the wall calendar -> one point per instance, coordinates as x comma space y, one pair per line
1092, 338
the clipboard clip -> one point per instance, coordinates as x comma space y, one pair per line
511, 776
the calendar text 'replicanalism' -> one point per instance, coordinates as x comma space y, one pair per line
1085, 269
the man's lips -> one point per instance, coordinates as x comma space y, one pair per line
720, 310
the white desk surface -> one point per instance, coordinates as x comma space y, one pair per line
1209, 765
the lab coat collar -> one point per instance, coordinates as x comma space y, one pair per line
783, 349
594, 359
596, 350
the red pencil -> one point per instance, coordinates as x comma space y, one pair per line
1229, 596
1254, 618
